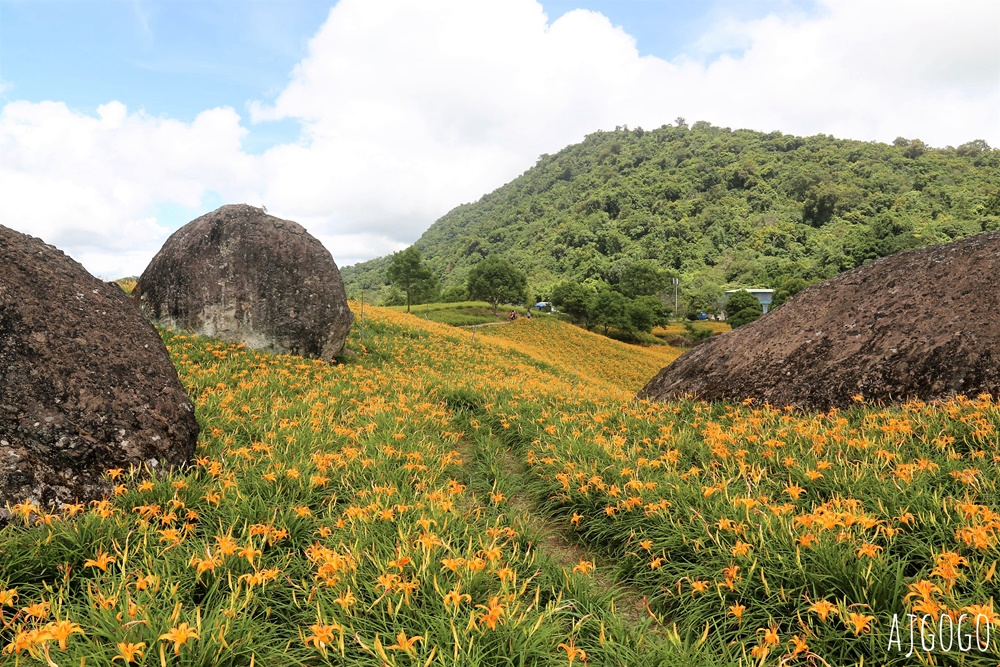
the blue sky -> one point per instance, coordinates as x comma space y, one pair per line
365, 120
175, 58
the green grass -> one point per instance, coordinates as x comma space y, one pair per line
359, 496
464, 313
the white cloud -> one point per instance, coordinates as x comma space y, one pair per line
409, 109
87, 183
862, 70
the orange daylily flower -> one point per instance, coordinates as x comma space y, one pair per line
129, 652
404, 643
859, 623
179, 635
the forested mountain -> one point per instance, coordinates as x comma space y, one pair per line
719, 207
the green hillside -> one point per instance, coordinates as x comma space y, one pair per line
719, 207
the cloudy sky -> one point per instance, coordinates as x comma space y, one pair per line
366, 120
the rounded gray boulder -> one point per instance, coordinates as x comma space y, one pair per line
244, 276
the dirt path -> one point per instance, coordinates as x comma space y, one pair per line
483, 324
559, 543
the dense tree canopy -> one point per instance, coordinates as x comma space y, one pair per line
742, 307
786, 290
598, 303
720, 208
642, 278
610, 309
575, 300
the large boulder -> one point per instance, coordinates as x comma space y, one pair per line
921, 324
242, 275
86, 384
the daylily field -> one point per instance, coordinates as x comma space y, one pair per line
443, 500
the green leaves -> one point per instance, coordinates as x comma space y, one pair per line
743, 307
495, 280
575, 300
606, 306
610, 309
408, 272
717, 206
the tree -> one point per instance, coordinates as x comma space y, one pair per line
454, 294
610, 309
820, 204
575, 300
642, 278
789, 288
915, 149
703, 299
646, 312
742, 307
495, 280
392, 296
408, 272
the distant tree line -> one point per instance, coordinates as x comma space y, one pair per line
637, 301
493, 280
631, 305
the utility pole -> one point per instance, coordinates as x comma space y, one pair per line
676, 280
362, 312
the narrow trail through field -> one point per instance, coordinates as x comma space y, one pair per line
553, 540
482, 324
559, 544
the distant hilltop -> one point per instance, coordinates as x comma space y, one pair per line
718, 207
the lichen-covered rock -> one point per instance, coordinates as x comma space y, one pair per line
86, 384
242, 275
922, 324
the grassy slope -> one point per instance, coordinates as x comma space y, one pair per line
546, 339
461, 313
677, 328
598, 361
368, 499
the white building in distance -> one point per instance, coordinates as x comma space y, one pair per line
763, 295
